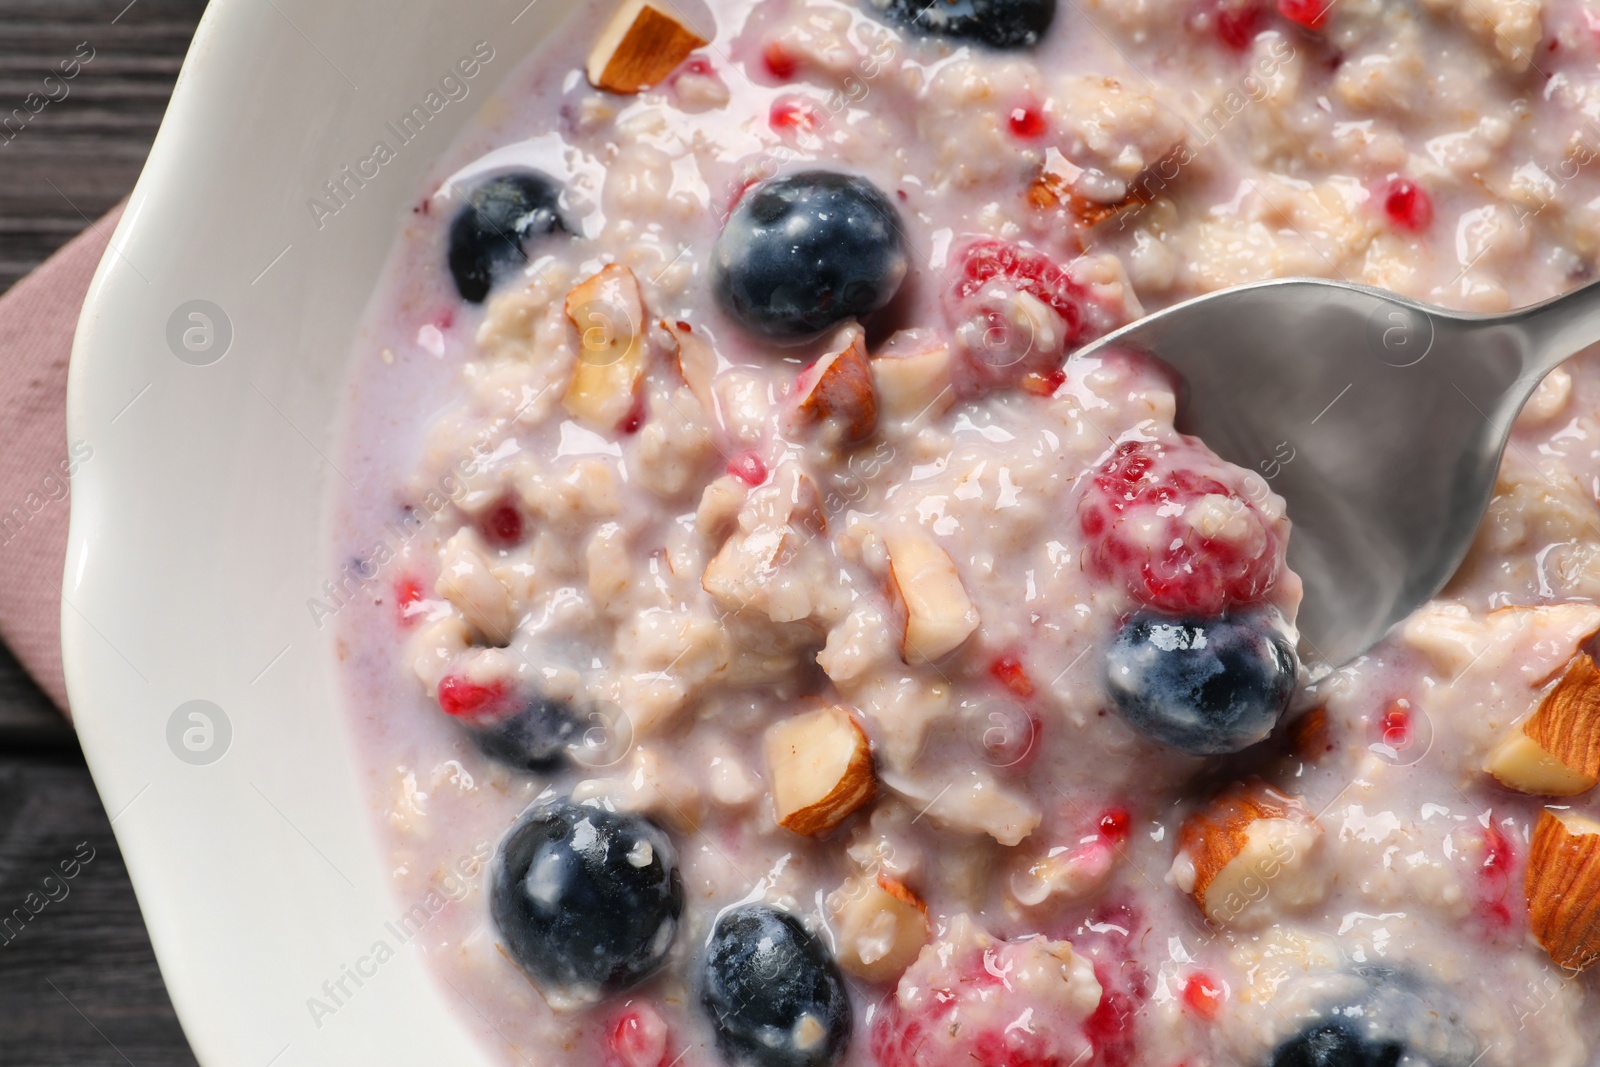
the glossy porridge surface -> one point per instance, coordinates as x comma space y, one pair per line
944, 550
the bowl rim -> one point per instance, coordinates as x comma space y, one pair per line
191, 547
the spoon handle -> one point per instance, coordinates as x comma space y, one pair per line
1561, 328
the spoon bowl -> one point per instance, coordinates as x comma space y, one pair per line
1380, 421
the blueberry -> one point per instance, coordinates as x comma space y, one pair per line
774, 993
997, 23
1205, 686
536, 737
1407, 1010
489, 234
1335, 1044
804, 252
586, 900
1391, 1016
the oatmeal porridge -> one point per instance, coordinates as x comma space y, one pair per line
770, 646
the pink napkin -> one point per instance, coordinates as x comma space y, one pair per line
37, 319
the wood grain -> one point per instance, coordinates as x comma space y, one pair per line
78, 982
82, 151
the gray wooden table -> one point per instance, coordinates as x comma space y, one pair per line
78, 982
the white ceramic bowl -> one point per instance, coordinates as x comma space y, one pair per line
200, 523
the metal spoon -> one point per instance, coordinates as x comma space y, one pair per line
1380, 420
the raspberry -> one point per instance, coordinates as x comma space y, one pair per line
1110, 1028
464, 699
1204, 995
1045, 384
780, 64
1114, 825
1140, 516
978, 1002
638, 1038
1238, 24
1499, 855
748, 468
1108, 939
407, 594
1028, 122
1027, 270
1312, 14
939, 1040
1408, 205
790, 113
634, 419
501, 525
1494, 891
1394, 725
1009, 672
1005, 342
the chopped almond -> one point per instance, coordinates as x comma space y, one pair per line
1532, 643
1054, 187
821, 770
912, 372
1563, 888
639, 47
1308, 735
696, 361
1521, 763
1568, 720
879, 927
939, 614
608, 312
838, 392
775, 524
1249, 845
1556, 752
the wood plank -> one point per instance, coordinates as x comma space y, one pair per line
27, 718
80, 154
78, 981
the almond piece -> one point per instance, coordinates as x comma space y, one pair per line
820, 765
1567, 723
939, 614
879, 927
775, 525
837, 390
1521, 763
1058, 177
1535, 644
1556, 752
1251, 845
696, 360
1308, 735
912, 374
608, 312
970, 802
739, 577
641, 45
1563, 888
